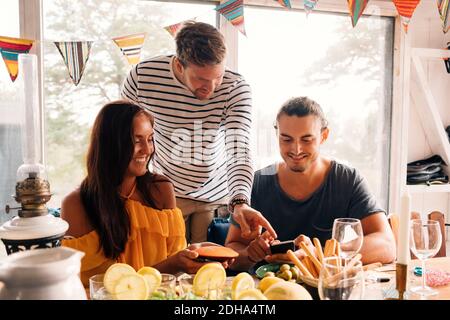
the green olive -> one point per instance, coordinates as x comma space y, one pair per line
284, 267
286, 275
269, 274
295, 272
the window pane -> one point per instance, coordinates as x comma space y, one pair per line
10, 150
347, 70
70, 109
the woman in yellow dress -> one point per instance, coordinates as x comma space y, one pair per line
122, 212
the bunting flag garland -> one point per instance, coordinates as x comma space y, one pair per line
10, 49
444, 10
233, 11
406, 9
75, 55
174, 28
356, 8
131, 46
285, 3
309, 5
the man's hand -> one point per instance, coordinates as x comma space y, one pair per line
251, 222
259, 247
283, 257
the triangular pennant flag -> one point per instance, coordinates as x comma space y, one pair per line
309, 5
406, 9
444, 10
285, 3
131, 46
174, 28
233, 11
356, 8
10, 49
75, 55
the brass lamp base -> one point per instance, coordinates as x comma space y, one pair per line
401, 276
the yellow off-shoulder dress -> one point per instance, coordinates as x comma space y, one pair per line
155, 235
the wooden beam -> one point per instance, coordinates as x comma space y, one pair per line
429, 115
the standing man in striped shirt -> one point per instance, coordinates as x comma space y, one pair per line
202, 117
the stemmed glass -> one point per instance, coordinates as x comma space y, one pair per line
425, 240
341, 279
349, 234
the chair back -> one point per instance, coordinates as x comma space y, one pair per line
435, 215
439, 217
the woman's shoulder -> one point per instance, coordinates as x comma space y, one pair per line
73, 211
71, 203
162, 192
159, 178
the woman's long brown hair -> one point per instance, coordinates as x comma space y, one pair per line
110, 152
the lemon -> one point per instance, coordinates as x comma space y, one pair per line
287, 291
152, 276
131, 287
114, 273
266, 282
242, 281
210, 277
251, 294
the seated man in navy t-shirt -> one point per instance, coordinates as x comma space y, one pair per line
302, 195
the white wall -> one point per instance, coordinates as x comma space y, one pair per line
426, 32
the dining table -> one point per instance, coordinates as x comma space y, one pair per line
376, 290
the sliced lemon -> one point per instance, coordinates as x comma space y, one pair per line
266, 282
251, 294
152, 276
242, 281
131, 287
114, 273
209, 278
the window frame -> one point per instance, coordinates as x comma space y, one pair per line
31, 26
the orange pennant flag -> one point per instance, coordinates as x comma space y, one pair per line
406, 9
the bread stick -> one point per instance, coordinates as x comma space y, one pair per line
298, 264
337, 249
327, 247
347, 269
319, 251
308, 263
311, 256
332, 247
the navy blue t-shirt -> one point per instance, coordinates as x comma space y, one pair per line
343, 193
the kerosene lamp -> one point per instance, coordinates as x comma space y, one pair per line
34, 227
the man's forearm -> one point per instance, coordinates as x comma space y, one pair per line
377, 247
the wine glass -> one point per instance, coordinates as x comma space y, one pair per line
341, 279
425, 241
349, 234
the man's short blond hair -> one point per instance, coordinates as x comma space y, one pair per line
200, 44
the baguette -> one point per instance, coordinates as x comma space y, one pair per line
298, 264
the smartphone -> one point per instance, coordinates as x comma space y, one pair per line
282, 247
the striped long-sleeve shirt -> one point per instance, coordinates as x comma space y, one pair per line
202, 146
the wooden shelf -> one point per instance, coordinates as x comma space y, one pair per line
421, 188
